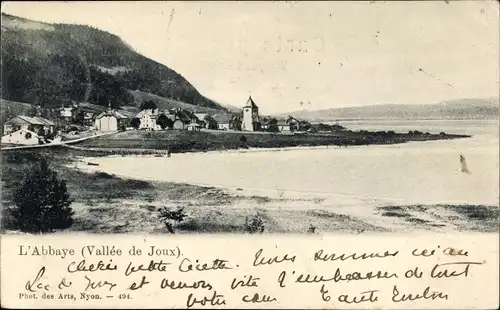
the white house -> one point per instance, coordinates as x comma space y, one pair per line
283, 126
148, 119
88, 118
28, 123
223, 121
201, 116
66, 113
21, 136
109, 120
193, 127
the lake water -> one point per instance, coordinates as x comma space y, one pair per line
411, 173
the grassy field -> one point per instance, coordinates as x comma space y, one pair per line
186, 141
105, 203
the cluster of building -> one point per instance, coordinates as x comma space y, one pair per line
248, 120
27, 130
252, 121
177, 119
34, 130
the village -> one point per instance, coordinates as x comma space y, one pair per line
77, 120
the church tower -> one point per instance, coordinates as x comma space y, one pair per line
250, 120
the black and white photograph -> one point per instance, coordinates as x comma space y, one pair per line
269, 118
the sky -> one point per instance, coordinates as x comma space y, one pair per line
306, 55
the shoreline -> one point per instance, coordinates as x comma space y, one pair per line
338, 198
207, 141
276, 149
109, 204
290, 148
181, 141
140, 152
122, 203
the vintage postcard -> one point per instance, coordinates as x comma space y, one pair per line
242, 155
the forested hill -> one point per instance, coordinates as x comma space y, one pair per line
50, 64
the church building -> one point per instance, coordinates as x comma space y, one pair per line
250, 119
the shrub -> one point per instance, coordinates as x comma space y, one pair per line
169, 217
42, 201
164, 122
135, 123
20, 157
273, 125
243, 142
254, 224
312, 229
235, 124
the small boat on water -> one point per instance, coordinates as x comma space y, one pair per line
463, 163
92, 164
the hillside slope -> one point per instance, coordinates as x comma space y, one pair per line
50, 64
168, 103
453, 109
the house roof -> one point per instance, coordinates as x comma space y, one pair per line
111, 113
222, 118
44, 121
250, 103
22, 120
128, 114
174, 114
184, 116
150, 112
190, 114
201, 116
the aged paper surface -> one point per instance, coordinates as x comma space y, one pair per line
316, 155
329, 272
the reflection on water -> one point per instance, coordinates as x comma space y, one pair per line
418, 172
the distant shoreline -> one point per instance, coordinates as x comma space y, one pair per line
403, 120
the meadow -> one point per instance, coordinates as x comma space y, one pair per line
179, 141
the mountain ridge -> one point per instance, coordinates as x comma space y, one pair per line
50, 64
471, 108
